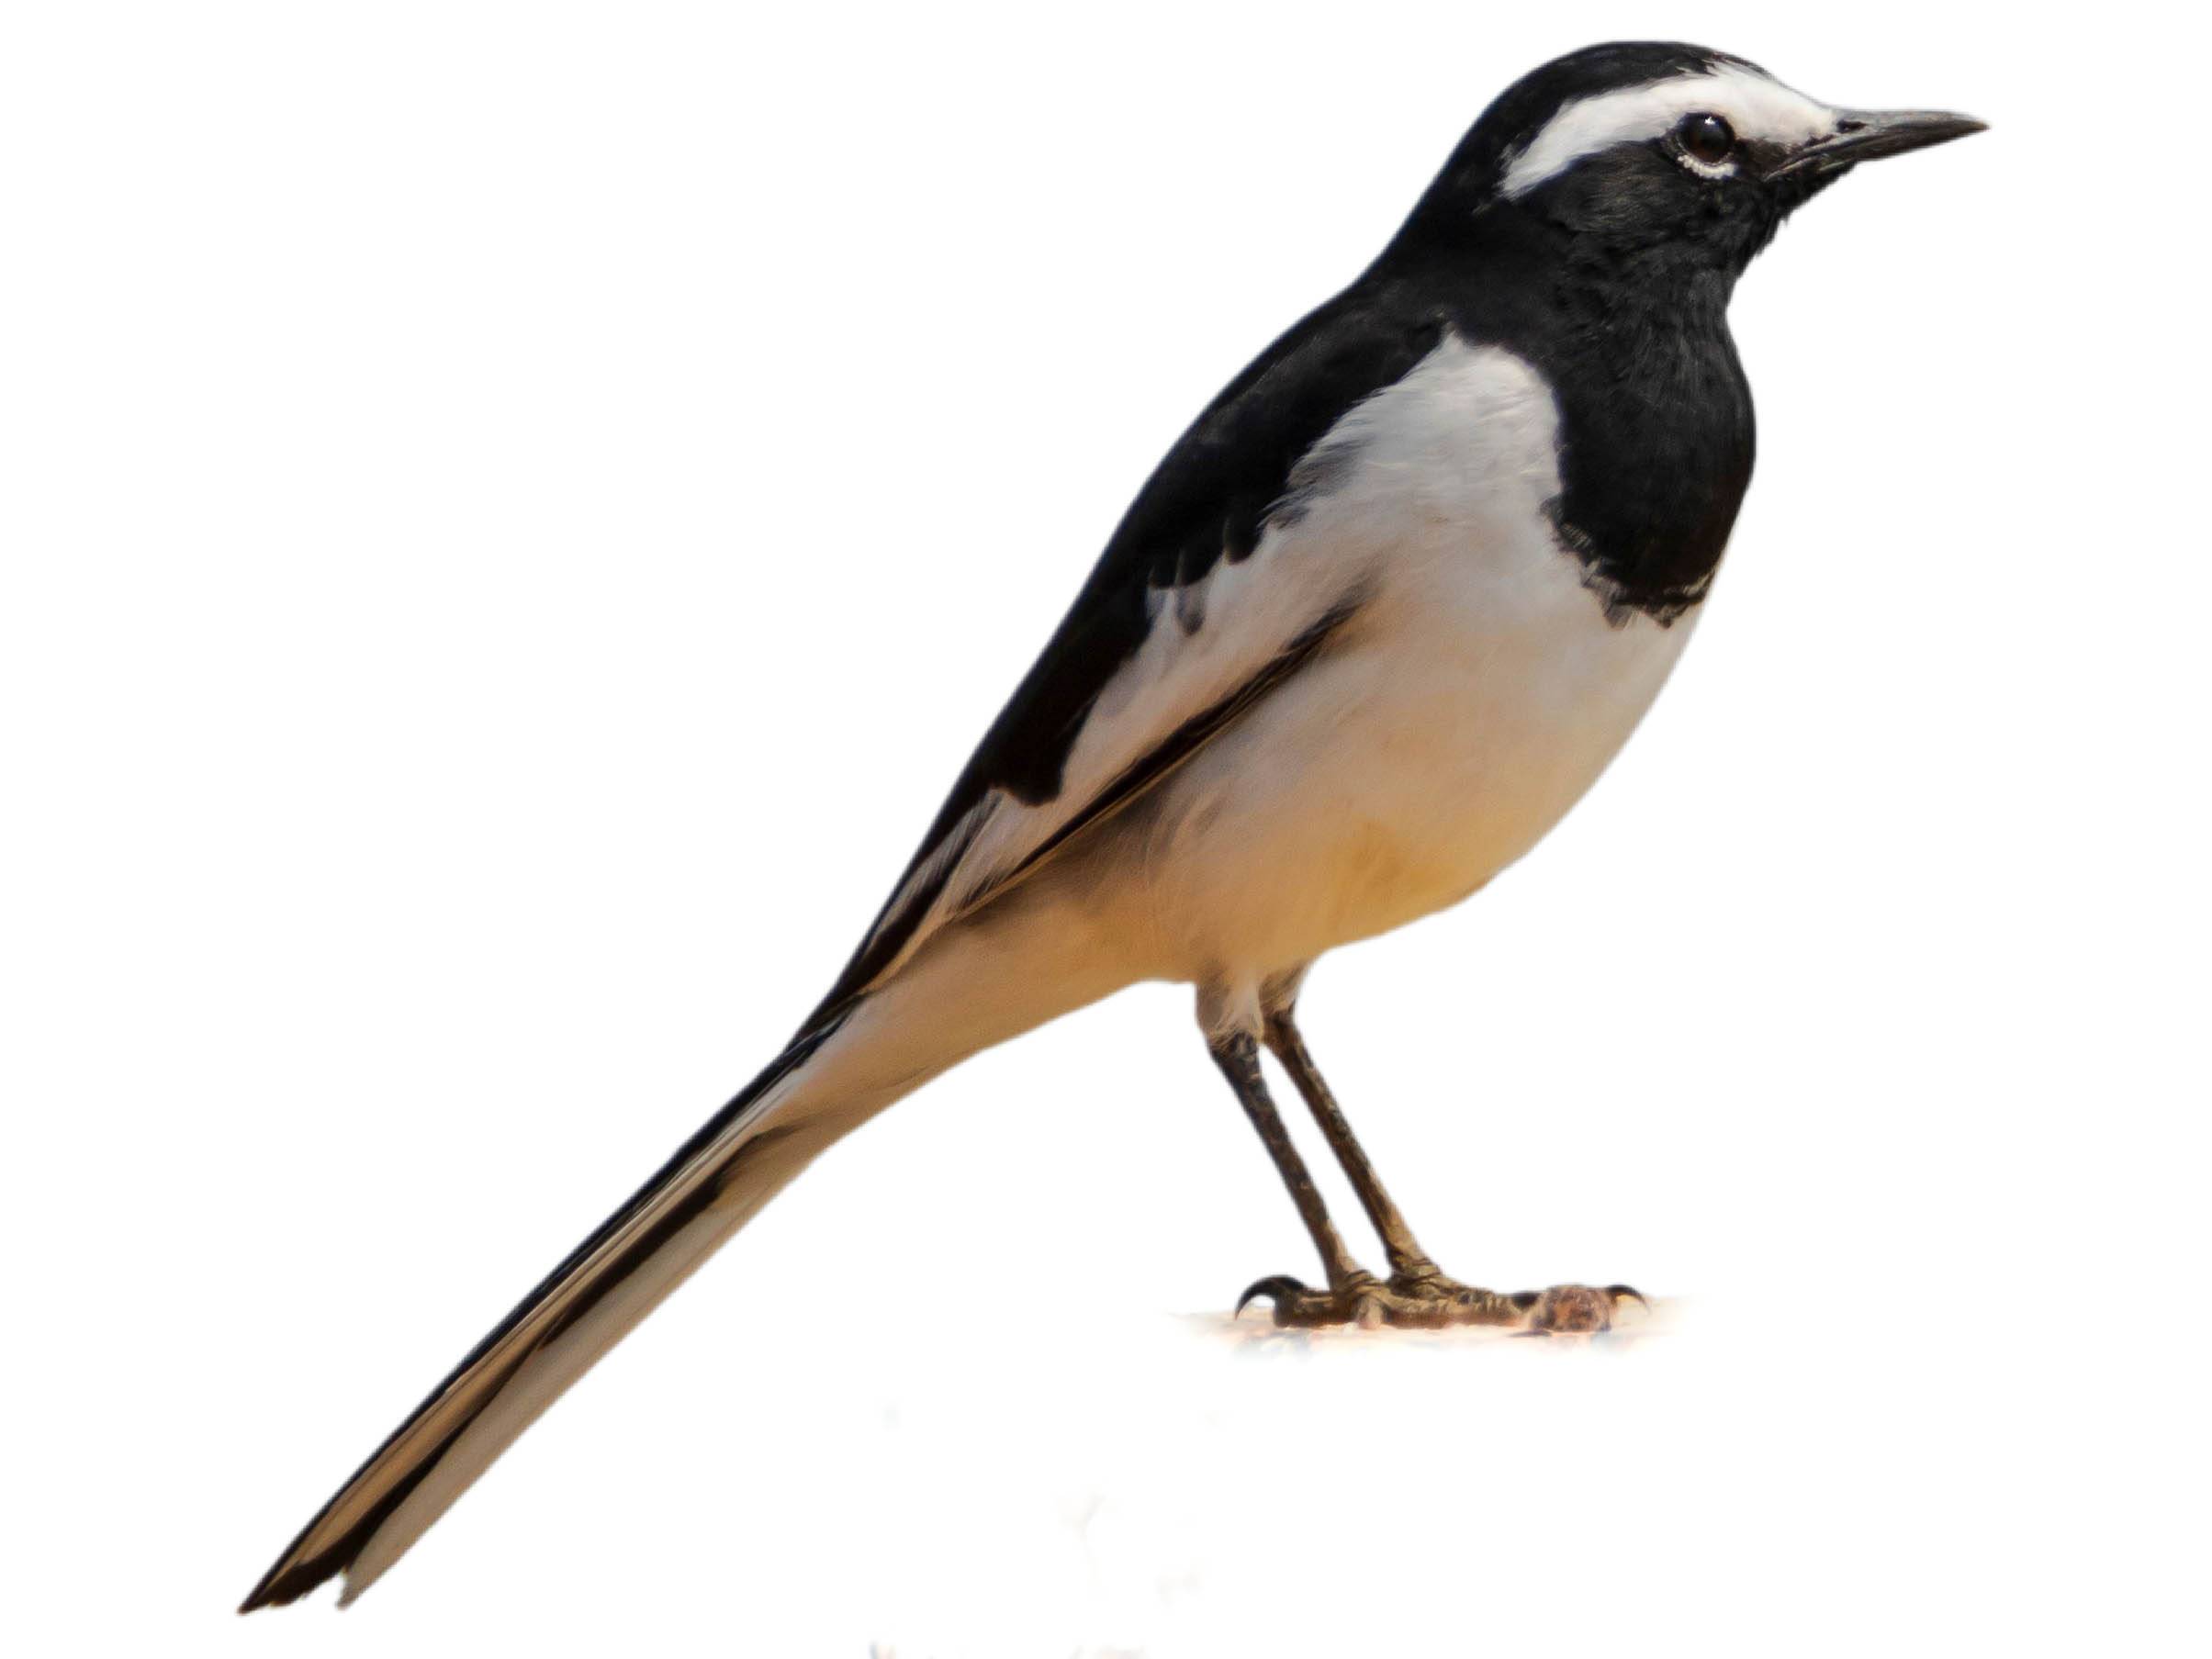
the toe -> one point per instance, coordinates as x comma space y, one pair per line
1572, 1309
1280, 1289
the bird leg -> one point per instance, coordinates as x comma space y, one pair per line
1411, 1271
1419, 1293
1354, 1295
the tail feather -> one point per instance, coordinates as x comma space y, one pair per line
1011, 968
738, 1161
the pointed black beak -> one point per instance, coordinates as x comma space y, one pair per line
1866, 135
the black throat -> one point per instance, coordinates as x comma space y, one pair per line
1657, 431
1655, 426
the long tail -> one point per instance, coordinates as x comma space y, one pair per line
717, 1180
977, 985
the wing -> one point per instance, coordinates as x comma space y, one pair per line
1199, 605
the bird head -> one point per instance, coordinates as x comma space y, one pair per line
1657, 150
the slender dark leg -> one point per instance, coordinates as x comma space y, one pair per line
1409, 1261
1419, 1293
1238, 1058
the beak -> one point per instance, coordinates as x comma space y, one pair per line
1865, 135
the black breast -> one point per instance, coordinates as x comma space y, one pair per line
1655, 431
1655, 449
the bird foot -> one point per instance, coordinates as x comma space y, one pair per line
1574, 1309
1428, 1299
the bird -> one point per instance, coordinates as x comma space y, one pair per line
1380, 618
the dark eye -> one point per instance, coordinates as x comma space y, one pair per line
1707, 139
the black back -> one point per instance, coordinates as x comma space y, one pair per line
1612, 281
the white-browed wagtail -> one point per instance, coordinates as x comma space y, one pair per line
1377, 620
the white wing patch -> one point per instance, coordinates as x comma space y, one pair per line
1430, 448
1756, 106
1208, 640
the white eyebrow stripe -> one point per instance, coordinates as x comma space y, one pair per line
1754, 106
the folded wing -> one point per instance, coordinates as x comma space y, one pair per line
1204, 600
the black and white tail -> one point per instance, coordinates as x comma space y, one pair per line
717, 1180
1009, 968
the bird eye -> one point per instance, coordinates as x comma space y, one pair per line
1707, 139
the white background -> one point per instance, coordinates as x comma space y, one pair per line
512, 517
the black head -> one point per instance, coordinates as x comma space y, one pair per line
1655, 149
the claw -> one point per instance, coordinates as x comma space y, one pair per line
1433, 1300
1573, 1310
1276, 1288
